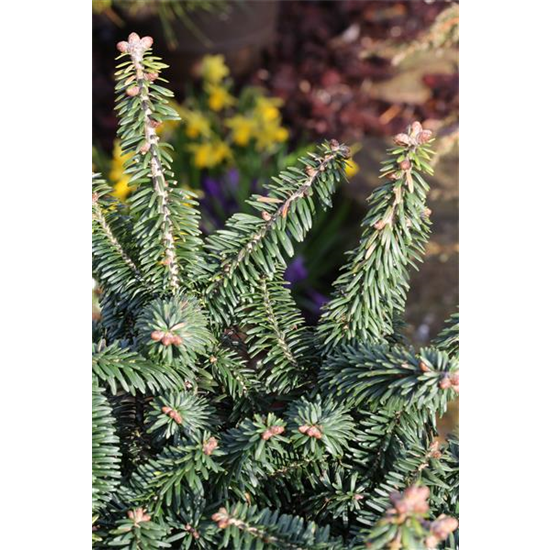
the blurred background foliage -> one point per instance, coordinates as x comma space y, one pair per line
256, 82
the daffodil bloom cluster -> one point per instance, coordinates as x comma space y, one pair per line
213, 69
211, 153
267, 123
218, 128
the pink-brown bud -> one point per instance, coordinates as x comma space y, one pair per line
221, 517
122, 46
157, 335
454, 379
395, 176
431, 542
267, 434
133, 38
334, 145
277, 430
303, 429
416, 128
380, 224
144, 148
314, 431
405, 164
138, 516
209, 446
175, 416
413, 500
133, 91
443, 526
423, 367
177, 340
151, 77
190, 529
166, 410
402, 139
424, 136
146, 42
434, 451
445, 382
266, 215
167, 339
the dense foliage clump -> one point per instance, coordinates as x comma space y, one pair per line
220, 419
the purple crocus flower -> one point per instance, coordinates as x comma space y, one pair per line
233, 178
212, 188
296, 271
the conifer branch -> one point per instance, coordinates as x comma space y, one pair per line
420, 460
115, 270
232, 373
178, 471
249, 246
138, 532
447, 339
99, 218
274, 323
405, 527
320, 425
390, 376
118, 366
177, 416
271, 530
251, 449
167, 235
121, 284
105, 452
372, 287
136, 47
384, 434
276, 333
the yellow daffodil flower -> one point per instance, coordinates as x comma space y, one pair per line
208, 155
351, 168
269, 135
221, 152
266, 108
196, 123
281, 134
268, 130
121, 189
242, 129
203, 154
219, 97
213, 69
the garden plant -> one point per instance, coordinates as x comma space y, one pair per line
220, 420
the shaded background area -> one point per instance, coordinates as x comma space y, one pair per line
357, 71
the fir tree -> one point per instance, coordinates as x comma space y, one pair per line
220, 420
